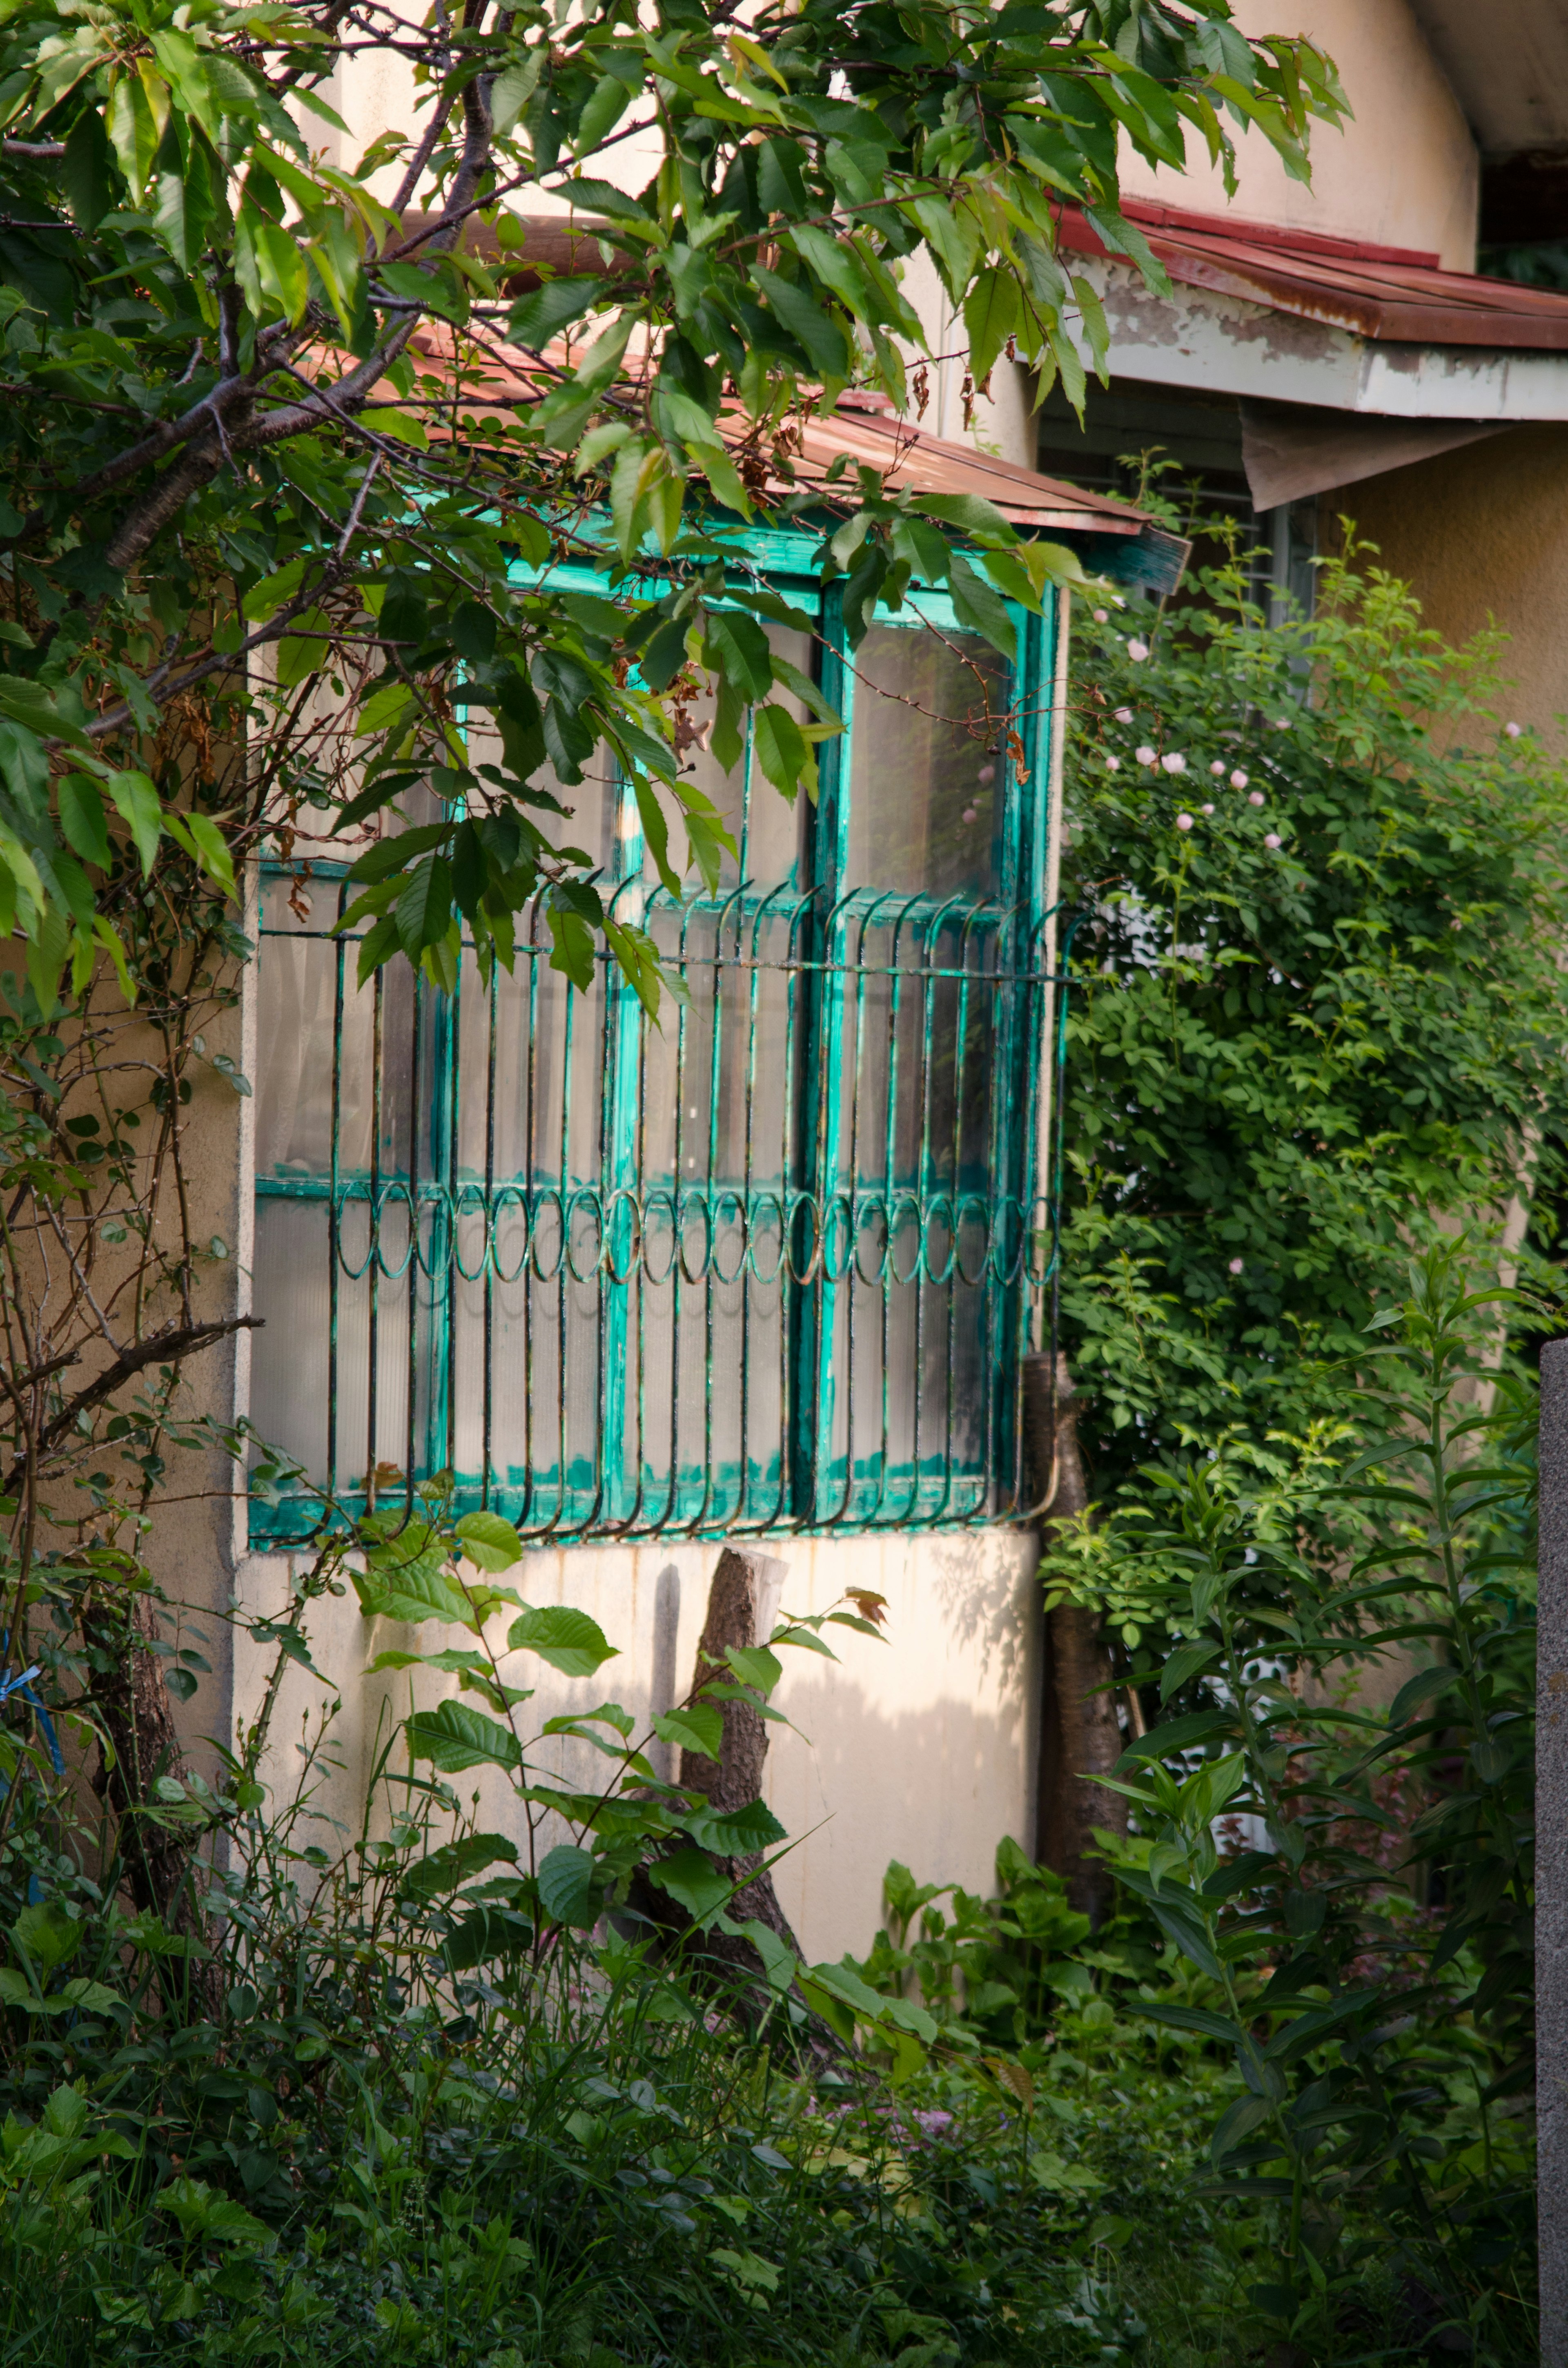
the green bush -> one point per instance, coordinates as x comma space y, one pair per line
1325, 1934
1325, 1012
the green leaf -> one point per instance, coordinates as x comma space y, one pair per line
1174, 1735
137, 802
86, 170
424, 909
265, 598
201, 838
568, 1639
806, 322
1181, 1924
1425, 1686
401, 426
981, 608
1237, 2124
455, 1737
211, 2217
782, 750
419, 1590
489, 1541
458, 1863
968, 513
693, 1882
755, 1666
607, 103
512, 90
48, 1934
1187, 2018
700, 1728
1186, 1663
737, 1833
990, 317
280, 267
388, 706
83, 821
566, 1884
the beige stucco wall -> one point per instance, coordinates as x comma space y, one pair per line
919, 1748
1404, 172
1482, 535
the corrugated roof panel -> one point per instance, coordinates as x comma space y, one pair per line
1378, 292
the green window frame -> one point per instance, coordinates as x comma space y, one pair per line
770, 1268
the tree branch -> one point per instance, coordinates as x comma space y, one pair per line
174, 1343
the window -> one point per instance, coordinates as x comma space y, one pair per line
768, 1266
1198, 438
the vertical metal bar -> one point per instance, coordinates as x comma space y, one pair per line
1055, 776
373, 1241
487, 1287
818, 1406
333, 1244
623, 1024
417, 1103
529, 1148
446, 1054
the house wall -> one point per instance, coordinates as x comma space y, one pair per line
1404, 172
1481, 534
919, 1748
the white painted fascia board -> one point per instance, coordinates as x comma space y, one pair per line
1214, 343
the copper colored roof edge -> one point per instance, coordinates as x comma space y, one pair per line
1407, 304
506, 376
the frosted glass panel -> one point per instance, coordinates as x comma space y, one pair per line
926, 772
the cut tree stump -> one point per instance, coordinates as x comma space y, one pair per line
1081, 1738
741, 1604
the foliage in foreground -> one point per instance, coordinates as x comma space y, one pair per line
414, 2098
203, 315
1370, 2058
393, 2101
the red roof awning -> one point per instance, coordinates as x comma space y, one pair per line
1385, 293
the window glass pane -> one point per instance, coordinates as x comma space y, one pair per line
593, 805
766, 827
926, 770
621, 1277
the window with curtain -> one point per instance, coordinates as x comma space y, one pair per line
765, 1265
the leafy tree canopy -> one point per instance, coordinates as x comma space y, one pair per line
260, 550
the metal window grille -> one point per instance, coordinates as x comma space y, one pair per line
769, 1267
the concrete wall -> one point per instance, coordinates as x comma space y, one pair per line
921, 1749
1404, 172
1482, 535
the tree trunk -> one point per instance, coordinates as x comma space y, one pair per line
1081, 1739
733, 1780
736, 1600
159, 1860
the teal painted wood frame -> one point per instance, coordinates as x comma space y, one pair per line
687, 1377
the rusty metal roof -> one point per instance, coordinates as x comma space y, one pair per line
1389, 294
1111, 535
